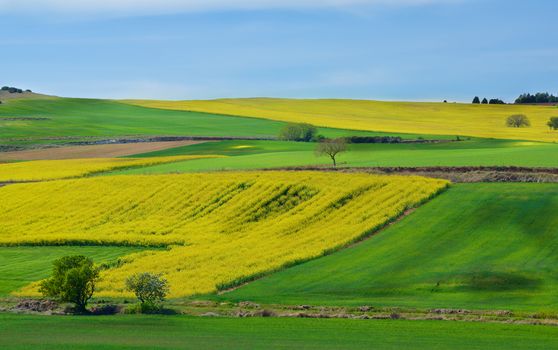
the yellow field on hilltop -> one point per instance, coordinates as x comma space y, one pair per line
397, 117
220, 228
68, 168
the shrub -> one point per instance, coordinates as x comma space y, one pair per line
298, 132
150, 289
518, 121
553, 123
73, 280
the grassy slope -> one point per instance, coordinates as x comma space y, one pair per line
20, 266
409, 117
177, 332
104, 118
262, 154
477, 246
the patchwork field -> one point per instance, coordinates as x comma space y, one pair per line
27, 122
397, 117
221, 228
92, 151
269, 154
68, 168
477, 246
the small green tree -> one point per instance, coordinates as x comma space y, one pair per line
331, 148
73, 280
552, 123
150, 289
476, 100
298, 132
518, 121
484, 101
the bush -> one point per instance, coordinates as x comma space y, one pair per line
518, 121
109, 309
11, 89
73, 280
150, 289
298, 132
553, 123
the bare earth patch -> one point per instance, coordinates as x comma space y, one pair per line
93, 151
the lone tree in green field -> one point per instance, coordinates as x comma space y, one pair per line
150, 289
331, 148
298, 132
518, 121
73, 280
552, 123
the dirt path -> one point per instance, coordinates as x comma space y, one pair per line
93, 151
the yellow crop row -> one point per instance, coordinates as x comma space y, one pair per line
68, 168
395, 117
220, 228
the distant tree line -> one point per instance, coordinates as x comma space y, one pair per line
13, 90
539, 97
485, 101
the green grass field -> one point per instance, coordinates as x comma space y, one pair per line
265, 154
20, 266
72, 117
477, 246
178, 332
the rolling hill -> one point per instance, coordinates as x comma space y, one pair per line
477, 246
397, 117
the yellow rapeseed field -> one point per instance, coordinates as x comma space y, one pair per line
219, 228
396, 117
68, 168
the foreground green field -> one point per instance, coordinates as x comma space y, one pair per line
267, 154
407, 117
177, 332
20, 266
477, 246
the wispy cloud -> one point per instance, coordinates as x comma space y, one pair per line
147, 7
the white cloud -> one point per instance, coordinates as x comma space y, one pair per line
150, 7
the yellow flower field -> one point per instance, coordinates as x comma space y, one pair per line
396, 117
68, 168
220, 228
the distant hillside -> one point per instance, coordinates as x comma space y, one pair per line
10, 93
399, 117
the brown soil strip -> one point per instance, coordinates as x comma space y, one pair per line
453, 174
93, 151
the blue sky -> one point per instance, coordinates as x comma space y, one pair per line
197, 49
